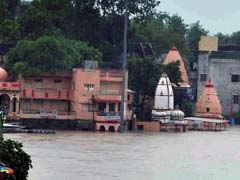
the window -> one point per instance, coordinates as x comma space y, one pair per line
57, 83
87, 107
128, 97
101, 109
88, 87
235, 99
208, 109
37, 83
203, 77
235, 78
112, 108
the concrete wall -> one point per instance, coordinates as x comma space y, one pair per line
220, 71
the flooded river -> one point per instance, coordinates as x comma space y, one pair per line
128, 156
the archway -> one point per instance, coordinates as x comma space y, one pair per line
5, 102
111, 129
102, 128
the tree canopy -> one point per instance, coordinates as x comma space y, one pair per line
15, 157
48, 53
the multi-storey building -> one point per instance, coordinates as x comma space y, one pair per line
221, 64
86, 98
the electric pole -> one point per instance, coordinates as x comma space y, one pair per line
124, 67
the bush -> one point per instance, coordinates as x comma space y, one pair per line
14, 157
188, 108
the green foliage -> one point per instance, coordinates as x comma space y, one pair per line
143, 75
237, 115
162, 30
173, 72
194, 34
8, 24
14, 157
48, 53
188, 108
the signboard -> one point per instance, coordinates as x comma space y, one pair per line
45, 114
113, 118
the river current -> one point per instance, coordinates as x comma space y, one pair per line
133, 156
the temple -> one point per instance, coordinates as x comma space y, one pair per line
208, 104
173, 56
208, 111
164, 116
181, 89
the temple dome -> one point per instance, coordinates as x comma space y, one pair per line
173, 56
208, 104
177, 114
3, 74
160, 113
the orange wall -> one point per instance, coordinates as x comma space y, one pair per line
149, 126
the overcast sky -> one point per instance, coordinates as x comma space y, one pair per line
214, 15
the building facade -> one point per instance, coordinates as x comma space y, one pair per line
86, 98
222, 67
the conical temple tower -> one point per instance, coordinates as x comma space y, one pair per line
173, 56
208, 104
164, 94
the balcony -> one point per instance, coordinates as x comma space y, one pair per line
110, 92
107, 117
111, 76
35, 93
10, 86
38, 114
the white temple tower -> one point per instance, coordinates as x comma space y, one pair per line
164, 95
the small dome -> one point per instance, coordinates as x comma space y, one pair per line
159, 113
177, 114
3, 74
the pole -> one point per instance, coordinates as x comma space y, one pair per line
1, 126
124, 67
93, 110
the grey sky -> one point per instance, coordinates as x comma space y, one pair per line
214, 15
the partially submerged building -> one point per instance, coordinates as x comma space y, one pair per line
85, 98
180, 89
221, 64
208, 111
164, 116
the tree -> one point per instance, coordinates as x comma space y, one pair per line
48, 53
143, 79
14, 157
173, 72
188, 108
162, 31
194, 34
8, 22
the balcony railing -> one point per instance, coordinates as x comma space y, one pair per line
111, 74
102, 113
110, 92
14, 86
46, 93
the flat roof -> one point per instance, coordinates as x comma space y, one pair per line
206, 120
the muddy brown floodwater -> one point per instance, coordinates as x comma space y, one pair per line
133, 156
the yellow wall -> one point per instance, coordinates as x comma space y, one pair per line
208, 43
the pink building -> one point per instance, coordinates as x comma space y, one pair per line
85, 99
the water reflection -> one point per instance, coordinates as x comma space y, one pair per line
112, 156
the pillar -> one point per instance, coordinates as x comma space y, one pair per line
107, 107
